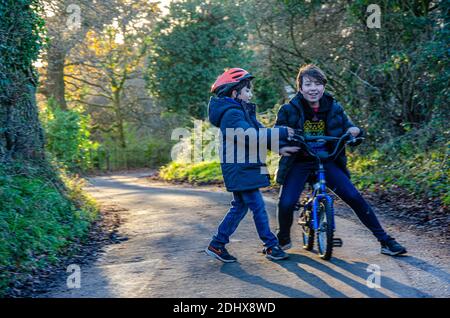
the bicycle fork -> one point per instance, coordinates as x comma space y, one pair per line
320, 194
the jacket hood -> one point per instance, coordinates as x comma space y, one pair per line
218, 106
300, 102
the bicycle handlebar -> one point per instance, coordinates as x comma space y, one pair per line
317, 138
347, 137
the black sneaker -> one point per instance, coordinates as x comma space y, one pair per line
220, 253
285, 244
392, 247
275, 253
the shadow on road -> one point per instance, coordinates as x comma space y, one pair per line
295, 261
427, 267
236, 271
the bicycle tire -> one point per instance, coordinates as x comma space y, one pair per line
325, 232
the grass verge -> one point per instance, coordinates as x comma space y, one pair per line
41, 214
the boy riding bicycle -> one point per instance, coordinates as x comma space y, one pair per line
315, 113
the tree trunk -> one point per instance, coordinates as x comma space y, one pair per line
21, 134
55, 86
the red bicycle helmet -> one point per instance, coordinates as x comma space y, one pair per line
229, 79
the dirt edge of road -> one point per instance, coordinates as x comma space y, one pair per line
103, 231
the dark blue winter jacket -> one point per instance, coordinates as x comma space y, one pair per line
242, 158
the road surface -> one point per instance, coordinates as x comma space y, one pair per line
167, 227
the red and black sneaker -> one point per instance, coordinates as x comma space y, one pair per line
220, 253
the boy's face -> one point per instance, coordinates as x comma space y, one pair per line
245, 94
311, 89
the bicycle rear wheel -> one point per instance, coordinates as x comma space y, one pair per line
326, 231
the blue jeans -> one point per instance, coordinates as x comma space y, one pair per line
338, 182
242, 201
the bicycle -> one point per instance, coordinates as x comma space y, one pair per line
317, 215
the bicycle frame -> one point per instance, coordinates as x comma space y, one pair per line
319, 188
309, 220
319, 194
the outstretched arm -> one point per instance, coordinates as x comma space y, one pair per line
283, 121
235, 119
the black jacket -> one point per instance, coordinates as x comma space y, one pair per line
292, 115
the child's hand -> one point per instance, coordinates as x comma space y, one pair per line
288, 151
354, 131
291, 132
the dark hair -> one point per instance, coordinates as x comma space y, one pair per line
312, 71
237, 87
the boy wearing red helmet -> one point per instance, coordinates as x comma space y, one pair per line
231, 111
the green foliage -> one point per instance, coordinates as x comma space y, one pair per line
143, 150
417, 162
21, 30
190, 47
405, 62
38, 220
390, 80
203, 172
267, 91
151, 148
207, 171
68, 137
157, 153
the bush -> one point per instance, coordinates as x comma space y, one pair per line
157, 152
203, 172
417, 162
143, 149
68, 137
39, 217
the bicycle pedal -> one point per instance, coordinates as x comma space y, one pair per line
337, 242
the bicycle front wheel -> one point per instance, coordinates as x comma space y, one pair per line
325, 231
307, 230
